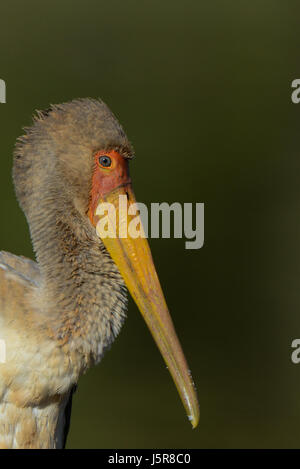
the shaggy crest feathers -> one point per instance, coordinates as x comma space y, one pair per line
77, 128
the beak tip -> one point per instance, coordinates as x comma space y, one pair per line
195, 423
194, 419
194, 414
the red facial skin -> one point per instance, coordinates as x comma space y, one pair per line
105, 180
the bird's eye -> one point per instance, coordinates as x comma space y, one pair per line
104, 161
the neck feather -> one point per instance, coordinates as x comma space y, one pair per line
82, 294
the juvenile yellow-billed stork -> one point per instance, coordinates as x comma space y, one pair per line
58, 315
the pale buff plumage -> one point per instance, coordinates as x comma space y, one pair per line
29, 417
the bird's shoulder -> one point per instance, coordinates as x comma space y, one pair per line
34, 370
19, 279
19, 269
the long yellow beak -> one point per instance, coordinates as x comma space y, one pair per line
133, 257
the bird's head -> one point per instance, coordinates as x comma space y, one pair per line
78, 154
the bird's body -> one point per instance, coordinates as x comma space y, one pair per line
58, 315
29, 417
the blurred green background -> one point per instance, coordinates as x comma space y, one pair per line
203, 90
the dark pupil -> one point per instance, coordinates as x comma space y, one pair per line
105, 161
